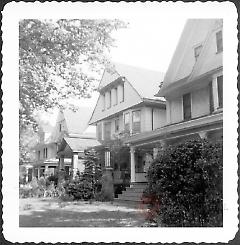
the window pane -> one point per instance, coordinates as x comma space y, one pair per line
136, 121
116, 125
126, 121
211, 105
107, 131
219, 41
197, 51
99, 130
220, 91
187, 106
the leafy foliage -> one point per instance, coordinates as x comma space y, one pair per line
50, 50
186, 183
58, 60
86, 185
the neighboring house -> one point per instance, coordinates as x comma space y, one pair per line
127, 106
192, 87
70, 136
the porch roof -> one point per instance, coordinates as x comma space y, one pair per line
205, 123
81, 144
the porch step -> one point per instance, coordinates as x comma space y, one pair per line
131, 204
132, 196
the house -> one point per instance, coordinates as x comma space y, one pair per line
63, 146
127, 107
192, 87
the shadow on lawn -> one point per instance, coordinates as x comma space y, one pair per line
67, 218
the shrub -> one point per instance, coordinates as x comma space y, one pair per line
53, 178
186, 183
80, 189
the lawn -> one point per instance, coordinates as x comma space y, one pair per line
46, 212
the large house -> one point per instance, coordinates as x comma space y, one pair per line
192, 87
67, 141
127, 107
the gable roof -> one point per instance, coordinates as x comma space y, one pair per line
141, 86
184, 67
77, 121
146, 82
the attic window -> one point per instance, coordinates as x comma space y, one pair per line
219, 41
197, 51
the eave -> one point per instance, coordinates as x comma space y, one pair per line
205, 123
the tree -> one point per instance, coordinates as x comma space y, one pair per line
58, 60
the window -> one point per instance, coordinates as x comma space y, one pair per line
219, 41
197, 51
60, 127
127, 121
110, 98
136, 119
211, 105
152, 118
116, 96
99, 131
39, 155
46, 152
121, 93
103, 102
107, 131
117, 125
220, 91
187, 106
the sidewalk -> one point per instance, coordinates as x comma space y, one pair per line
46, 212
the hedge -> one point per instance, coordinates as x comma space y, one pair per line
185, 184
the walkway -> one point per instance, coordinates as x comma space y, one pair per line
45, 212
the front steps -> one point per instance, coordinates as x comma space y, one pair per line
132, 196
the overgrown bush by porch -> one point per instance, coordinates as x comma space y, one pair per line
185, 185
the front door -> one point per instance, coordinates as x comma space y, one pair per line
140, 175
143, 161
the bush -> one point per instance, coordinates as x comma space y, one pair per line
39, 188
80, 189
186, 183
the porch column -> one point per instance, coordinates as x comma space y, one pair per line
74, 164
27, 175
61, 170
155, 153
132, 157
46, 170
38, 172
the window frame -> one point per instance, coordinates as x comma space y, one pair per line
184, 110
124, 120
219, 47
105, 126
134, 131
116, 124
220, 93
198, 47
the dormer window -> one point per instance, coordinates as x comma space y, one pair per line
197, 51
219, 41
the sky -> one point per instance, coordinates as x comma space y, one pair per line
146, 42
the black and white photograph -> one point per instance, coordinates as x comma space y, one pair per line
113, 122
